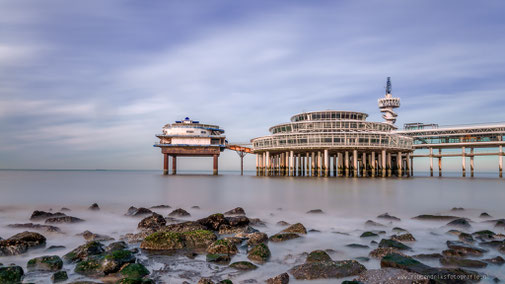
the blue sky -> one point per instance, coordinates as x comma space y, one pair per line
87, 84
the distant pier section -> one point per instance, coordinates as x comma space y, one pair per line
189, 138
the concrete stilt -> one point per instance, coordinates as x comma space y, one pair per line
346, 163
408, 160
500, 162
399, 160
471, 162
267, 159
364, 166
431, 161
326, 163
373, 164
307, 173
174, 164
355, 162
340, 166
383, 163
463, 161
334, 165
291, 164
389, 169
313, 164
165, 164
439, 162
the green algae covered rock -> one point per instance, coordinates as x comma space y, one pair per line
113, 261
259, 254
222, 246
243, 265
198, 239
221, 258
327, 269
91, 267
11, 274
317, 256
45, 263
82, 252
134, 271
385, 243
59, 276
282, 237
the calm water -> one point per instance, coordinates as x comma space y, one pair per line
347, 203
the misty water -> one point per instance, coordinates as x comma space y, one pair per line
347, 204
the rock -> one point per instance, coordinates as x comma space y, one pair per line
259, 254
282, 237
84, 251
42, 215
195, 207
235, 211
403, 238
385, 243
243, 265
386, 216
443, 275
222, 246
94, 207
238, 221
65, 209
257, 222
314, 231
279, 279
161, 207
453, 253
220, 258
296, 228
213, 222
11, 274
458, 209
226, 281
55, 248
38, 227
461, 262
91, 267
460, 223
315, 211
89, 236
465, 248
179, 213
205, 281
381, 252
368, 234
495, 260
327, 269
113, 261
134, 211
59, 276
229, 230
391, 276
317, 256
116, 246
500, 223
399, 230
484, 235
467, 238
45, 263
371, 223
283, 223
21, 243
435, 217
484, 215
63, 219
199, 239
428, 256
153, 222
256, 238
359, 246
134, 271
184, 227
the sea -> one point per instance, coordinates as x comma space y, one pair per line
347, 203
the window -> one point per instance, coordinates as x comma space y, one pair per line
190, 131
203, 132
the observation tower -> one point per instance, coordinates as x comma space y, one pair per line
387, 104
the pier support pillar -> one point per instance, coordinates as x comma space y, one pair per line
174, 164
389, 164
215, 171
299, 165
307, 168
471, 162
363, 168
439, 162
373, 164
267, 159
346, 163
411, 164
463, 161
383, 163
313, 163
340, 166
500, 162
399, 160
355, 162
334, 165
291, 164
165, 164
408, 169
326, 163
431, 161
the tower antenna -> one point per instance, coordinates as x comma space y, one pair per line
387, 104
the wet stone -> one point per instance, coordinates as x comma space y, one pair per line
38, 227
393, 244
386, 216
134, 211
161, 206
259, 254
11, 274
219, 258
279, 279
243, 265
315, 211
358, 246
283, 223
368, 234
460, 223
462, 262
465, 248
45, 263
179, 213
484, 215
89, 236
429, 217
327, 269
59, 276
296, 228
371, 223
403, 238
495, 260
467, 238
153, 222
42, 215
317, 256
21, 243
84, 251
94, 207
282, 237
63, 219
235, 211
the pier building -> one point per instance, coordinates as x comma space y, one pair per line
190, 138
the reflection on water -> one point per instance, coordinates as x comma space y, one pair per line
347, 204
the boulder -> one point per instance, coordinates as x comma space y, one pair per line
317, 256
386, 216
38, 227
63, 219
390, 276
371, 223
116, 246
153, 222
279, 279
368, 234
465, 248
134, 211
213, 222
84, 251
91, 267
134, 271
282, 237
495, 260
163, 206
238, 221
195, 207
235, 211
257, 222
315, 211
256, 238
205, 281
403, 238
283, 223
11, 274
259, 254
443, 275
467, 238
458, 209
297, 228
327, 269
42, 215
45, 263
462, 262
484, 215
94, 207
199, 239
429, 217
243, 265
385, 243
184, 227
381, 252
459, 223
220, 258
358, 246
222, 246
59, 276
179, 213
21, 243
114, 260
89, 236
428, 256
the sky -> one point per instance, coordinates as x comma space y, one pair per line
87, 84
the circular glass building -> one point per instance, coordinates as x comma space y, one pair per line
320, 143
